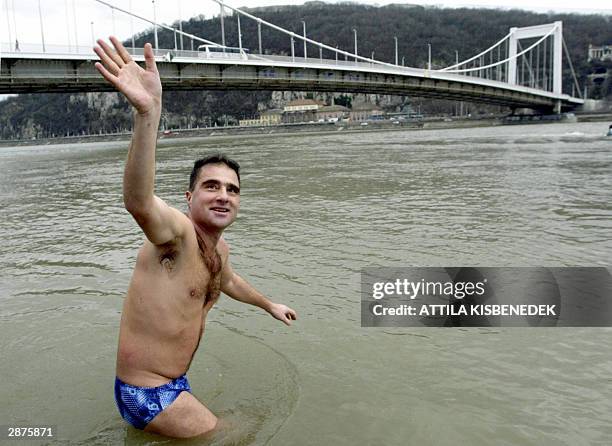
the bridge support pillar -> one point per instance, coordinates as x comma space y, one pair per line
512, 45
529, 32
557, 58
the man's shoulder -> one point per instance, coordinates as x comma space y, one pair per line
182, 219
185, 237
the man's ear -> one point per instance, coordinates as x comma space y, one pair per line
188, 197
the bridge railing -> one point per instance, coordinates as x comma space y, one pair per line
169, 54
296, 64
53, 49
33, 48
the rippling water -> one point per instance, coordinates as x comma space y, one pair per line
316, 209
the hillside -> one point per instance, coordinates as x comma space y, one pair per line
467, 31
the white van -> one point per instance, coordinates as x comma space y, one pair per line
221, 52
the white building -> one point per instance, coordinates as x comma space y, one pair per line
603, 52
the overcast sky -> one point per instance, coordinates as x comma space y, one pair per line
20, 18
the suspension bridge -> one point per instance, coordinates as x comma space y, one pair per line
507, 73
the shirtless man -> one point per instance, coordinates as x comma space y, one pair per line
180, 269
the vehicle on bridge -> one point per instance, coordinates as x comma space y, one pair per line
610, 130
222, 52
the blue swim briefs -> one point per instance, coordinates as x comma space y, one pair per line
139, 405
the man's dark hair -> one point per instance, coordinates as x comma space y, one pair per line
217, 158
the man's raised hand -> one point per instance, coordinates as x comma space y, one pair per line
141, 87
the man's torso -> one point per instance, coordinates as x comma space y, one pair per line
164, 312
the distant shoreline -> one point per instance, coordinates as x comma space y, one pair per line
296, 129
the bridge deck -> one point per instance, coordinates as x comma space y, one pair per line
29, 72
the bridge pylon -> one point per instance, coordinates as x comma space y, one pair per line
516, 34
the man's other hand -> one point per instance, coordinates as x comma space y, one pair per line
283, 313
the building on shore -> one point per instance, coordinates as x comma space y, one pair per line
301, 110
309, 110
269, 117
249, 122
332, 113
603, 52
272, 117
366, 112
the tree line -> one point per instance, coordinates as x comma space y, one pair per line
463, 31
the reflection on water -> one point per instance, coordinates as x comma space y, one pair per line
315, 210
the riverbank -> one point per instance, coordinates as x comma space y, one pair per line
300, 129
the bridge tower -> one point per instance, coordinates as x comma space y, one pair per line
516, 34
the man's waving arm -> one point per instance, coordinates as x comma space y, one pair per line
142, 88
237, 288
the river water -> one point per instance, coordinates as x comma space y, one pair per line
315, 210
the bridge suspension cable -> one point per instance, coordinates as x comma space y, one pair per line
476, 56
545, 74
479, 68
479, 59
303, 38
8, 21
161, 25
571, 65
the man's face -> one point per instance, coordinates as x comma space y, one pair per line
215, 199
